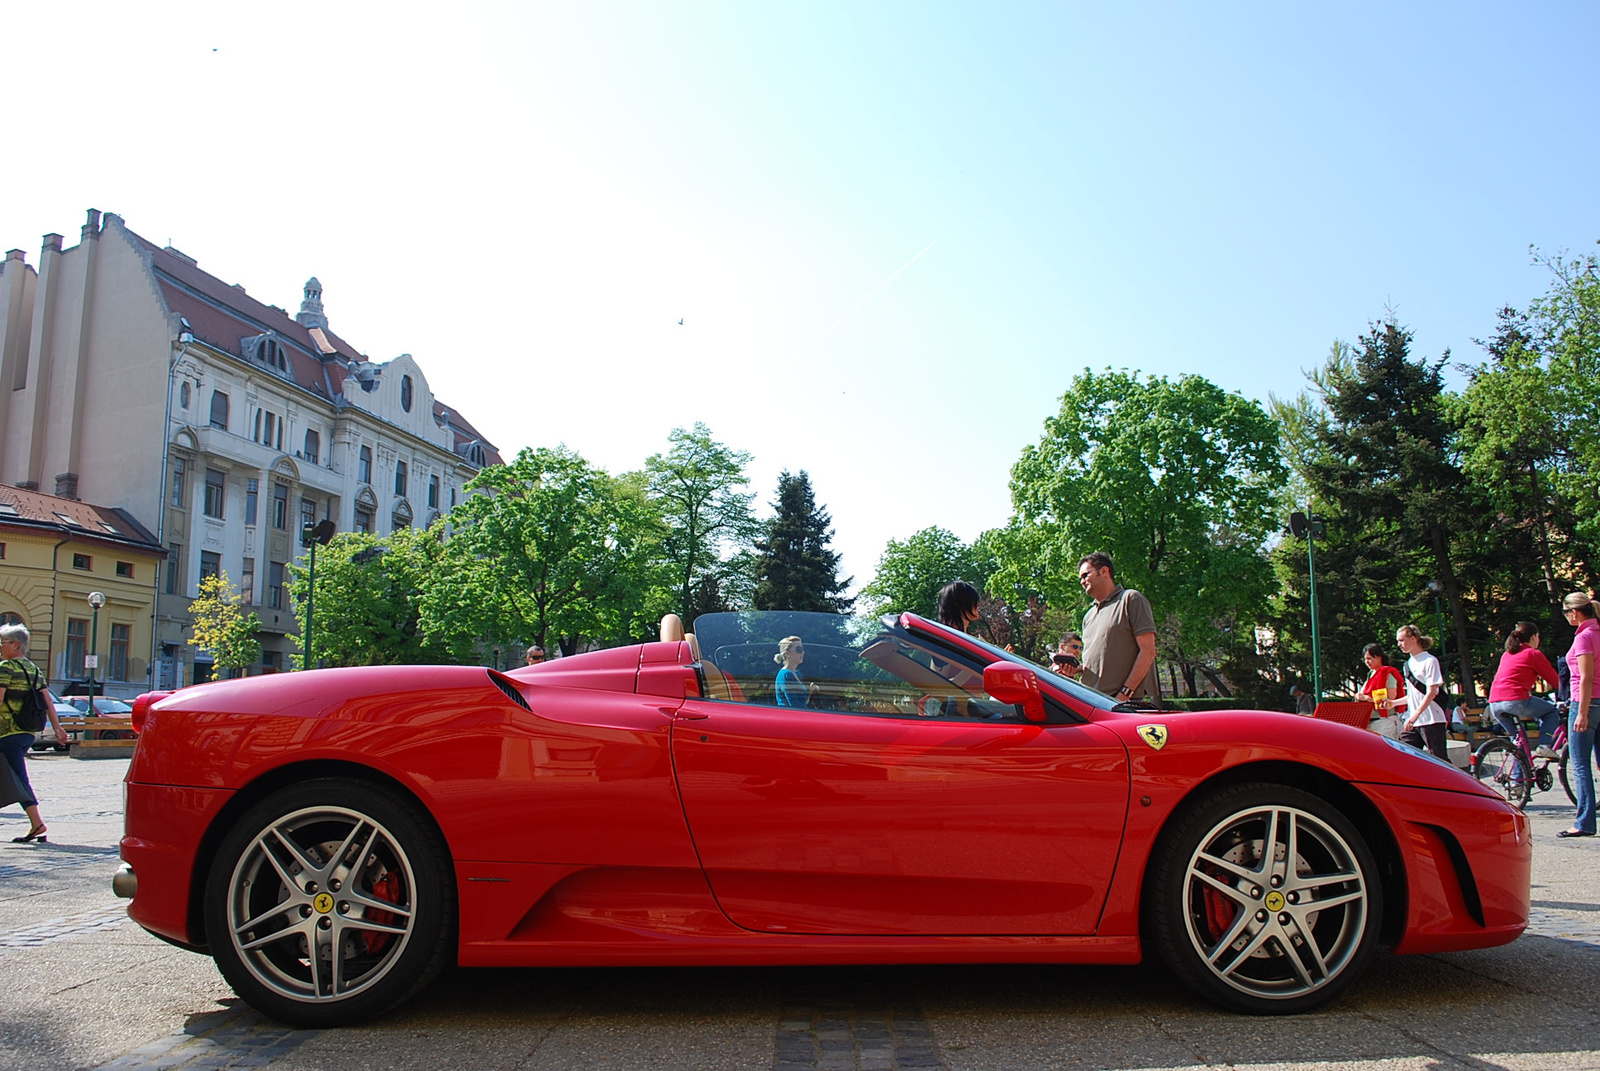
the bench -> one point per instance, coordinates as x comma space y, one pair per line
101, 737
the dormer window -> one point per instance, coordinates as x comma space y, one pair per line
474, 454
268, 351
405, 393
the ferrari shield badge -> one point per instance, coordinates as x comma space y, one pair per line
1154, 735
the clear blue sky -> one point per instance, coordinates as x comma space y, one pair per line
894, 232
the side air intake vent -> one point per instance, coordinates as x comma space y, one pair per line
510, 689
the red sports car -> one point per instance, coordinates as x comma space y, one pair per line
788, 788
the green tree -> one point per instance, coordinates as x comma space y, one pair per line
369, 599
1383, 463
552, 548
220, 628
911, 573
1180, 481
709, 524
794, 569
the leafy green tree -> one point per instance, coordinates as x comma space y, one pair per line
794, 568
369, 599
1179, 481
219, 627
911, 573
553, 547
709, 524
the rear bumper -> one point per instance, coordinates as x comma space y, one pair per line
165, 828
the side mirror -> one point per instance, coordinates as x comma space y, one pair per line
1011, 683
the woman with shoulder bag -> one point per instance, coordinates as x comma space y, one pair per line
19, 676
1426, 725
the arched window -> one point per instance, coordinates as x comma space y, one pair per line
400, 478
219, 410
313, 446
183, 395
405, 393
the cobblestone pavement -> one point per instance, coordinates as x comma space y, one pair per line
82, 988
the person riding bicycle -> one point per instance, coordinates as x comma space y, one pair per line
1511, 695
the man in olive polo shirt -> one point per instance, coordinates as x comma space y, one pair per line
1119, 634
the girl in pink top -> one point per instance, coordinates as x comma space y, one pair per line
1511, 696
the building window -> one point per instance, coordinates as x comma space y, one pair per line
364, 466
9, 618
400, 521
313, 446
275, 585
363, 521
124, 569
178, 472
2, 551
400, 478
77, 644
247, 582
119, 653
251, 493
452, 498
280, 505
210, 564
83, 561
183, 395
215, 486
433, 492
219, 410
174, 568
405, 393
308, 514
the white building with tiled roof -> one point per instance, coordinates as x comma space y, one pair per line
221, 423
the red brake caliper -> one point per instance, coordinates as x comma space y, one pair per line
1220, 910
386, 888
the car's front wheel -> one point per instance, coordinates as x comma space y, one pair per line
329, 902
1264, 898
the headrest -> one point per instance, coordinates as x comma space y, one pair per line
671, 628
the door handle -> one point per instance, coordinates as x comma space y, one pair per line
681, 716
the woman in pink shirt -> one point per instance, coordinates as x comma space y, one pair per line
1511, 695
1580, 610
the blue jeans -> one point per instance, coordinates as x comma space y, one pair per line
14, 747
1509, 713
1580, 766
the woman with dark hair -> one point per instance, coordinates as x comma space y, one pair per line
958, 605
1511, 695
1386, 689
1580, 612
1426, 723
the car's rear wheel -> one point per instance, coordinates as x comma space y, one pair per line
1264, 899
329, 902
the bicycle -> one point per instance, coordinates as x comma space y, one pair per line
1515, 771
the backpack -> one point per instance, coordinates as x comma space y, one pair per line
30, 716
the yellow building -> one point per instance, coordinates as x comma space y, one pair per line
55, 552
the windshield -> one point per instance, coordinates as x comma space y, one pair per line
897, 665
1047, 678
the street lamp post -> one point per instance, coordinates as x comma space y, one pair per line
1436, 589
311, 536
91, 661
1309, 527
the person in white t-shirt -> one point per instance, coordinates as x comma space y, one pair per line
1427, 725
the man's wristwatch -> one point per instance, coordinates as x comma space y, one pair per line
1125, 690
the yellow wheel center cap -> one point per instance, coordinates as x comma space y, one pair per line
1274, 901
323, 903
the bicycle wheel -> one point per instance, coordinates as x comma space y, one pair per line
1500, 765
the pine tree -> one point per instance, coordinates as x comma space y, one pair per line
794, 568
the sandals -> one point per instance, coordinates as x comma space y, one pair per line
1573, 833
37, 833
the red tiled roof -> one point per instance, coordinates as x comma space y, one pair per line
26, 509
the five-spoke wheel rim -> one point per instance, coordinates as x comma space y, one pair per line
321, 904
1275, 902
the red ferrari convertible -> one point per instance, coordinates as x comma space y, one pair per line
788, 788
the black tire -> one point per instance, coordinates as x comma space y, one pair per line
1499, 765
1238, 925
1566, 785
343, 867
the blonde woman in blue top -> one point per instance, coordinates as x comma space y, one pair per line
790, 689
